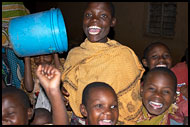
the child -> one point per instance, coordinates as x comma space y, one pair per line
157, 54
99, 104
41, 117
158, 95
16, 108
99, 100
100, 59
50, 78
31, 84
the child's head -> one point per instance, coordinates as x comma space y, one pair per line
98, 18
159, 90
43, 59
99, 104
16, 108
41, 117
157, 54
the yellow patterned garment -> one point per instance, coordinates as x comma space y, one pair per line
112, 63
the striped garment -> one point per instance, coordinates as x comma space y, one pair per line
12, 10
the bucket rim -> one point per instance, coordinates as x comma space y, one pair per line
55, 14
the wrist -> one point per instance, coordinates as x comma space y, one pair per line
54, 91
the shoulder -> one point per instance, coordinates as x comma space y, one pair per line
182, 66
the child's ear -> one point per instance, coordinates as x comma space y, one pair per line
113, 22
83, 110
30, 113
144, 61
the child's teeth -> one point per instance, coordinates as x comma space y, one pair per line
156, 105
107, 121
161, 66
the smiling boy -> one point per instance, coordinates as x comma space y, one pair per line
100, 59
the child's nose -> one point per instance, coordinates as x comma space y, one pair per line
107, 111
157, 94
94, 18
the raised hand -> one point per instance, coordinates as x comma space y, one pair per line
49, 78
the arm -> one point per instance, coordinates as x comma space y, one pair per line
57, 61
50, 80
28, 79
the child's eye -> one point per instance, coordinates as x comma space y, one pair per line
88, 15
10, 114
166, 56
113, 106
166, 91
154, 56
104, 16
151, 88
98, 105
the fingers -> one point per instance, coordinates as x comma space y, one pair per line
38, 71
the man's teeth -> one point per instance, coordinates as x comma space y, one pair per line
161, 65
156, 105
94, 27
94, 30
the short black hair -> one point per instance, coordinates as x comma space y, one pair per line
22, 96
165, 70
150, 46
111, 6
86, 90
43, 112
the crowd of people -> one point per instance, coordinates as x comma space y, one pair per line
101, 82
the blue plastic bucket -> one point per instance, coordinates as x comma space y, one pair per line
39, 33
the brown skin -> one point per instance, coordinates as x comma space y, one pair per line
41, 117
101, 105
159, 87
50, 78
158, 55
14, 112
98, 14
43, 59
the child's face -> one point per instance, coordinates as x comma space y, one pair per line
97, 21
13, 111
158, 56
158, 92
102, 107
43, 59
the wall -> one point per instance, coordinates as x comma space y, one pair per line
130, 27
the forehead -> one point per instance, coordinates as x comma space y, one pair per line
161, 77
97, 92
99, 5
11, 99
158, 47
